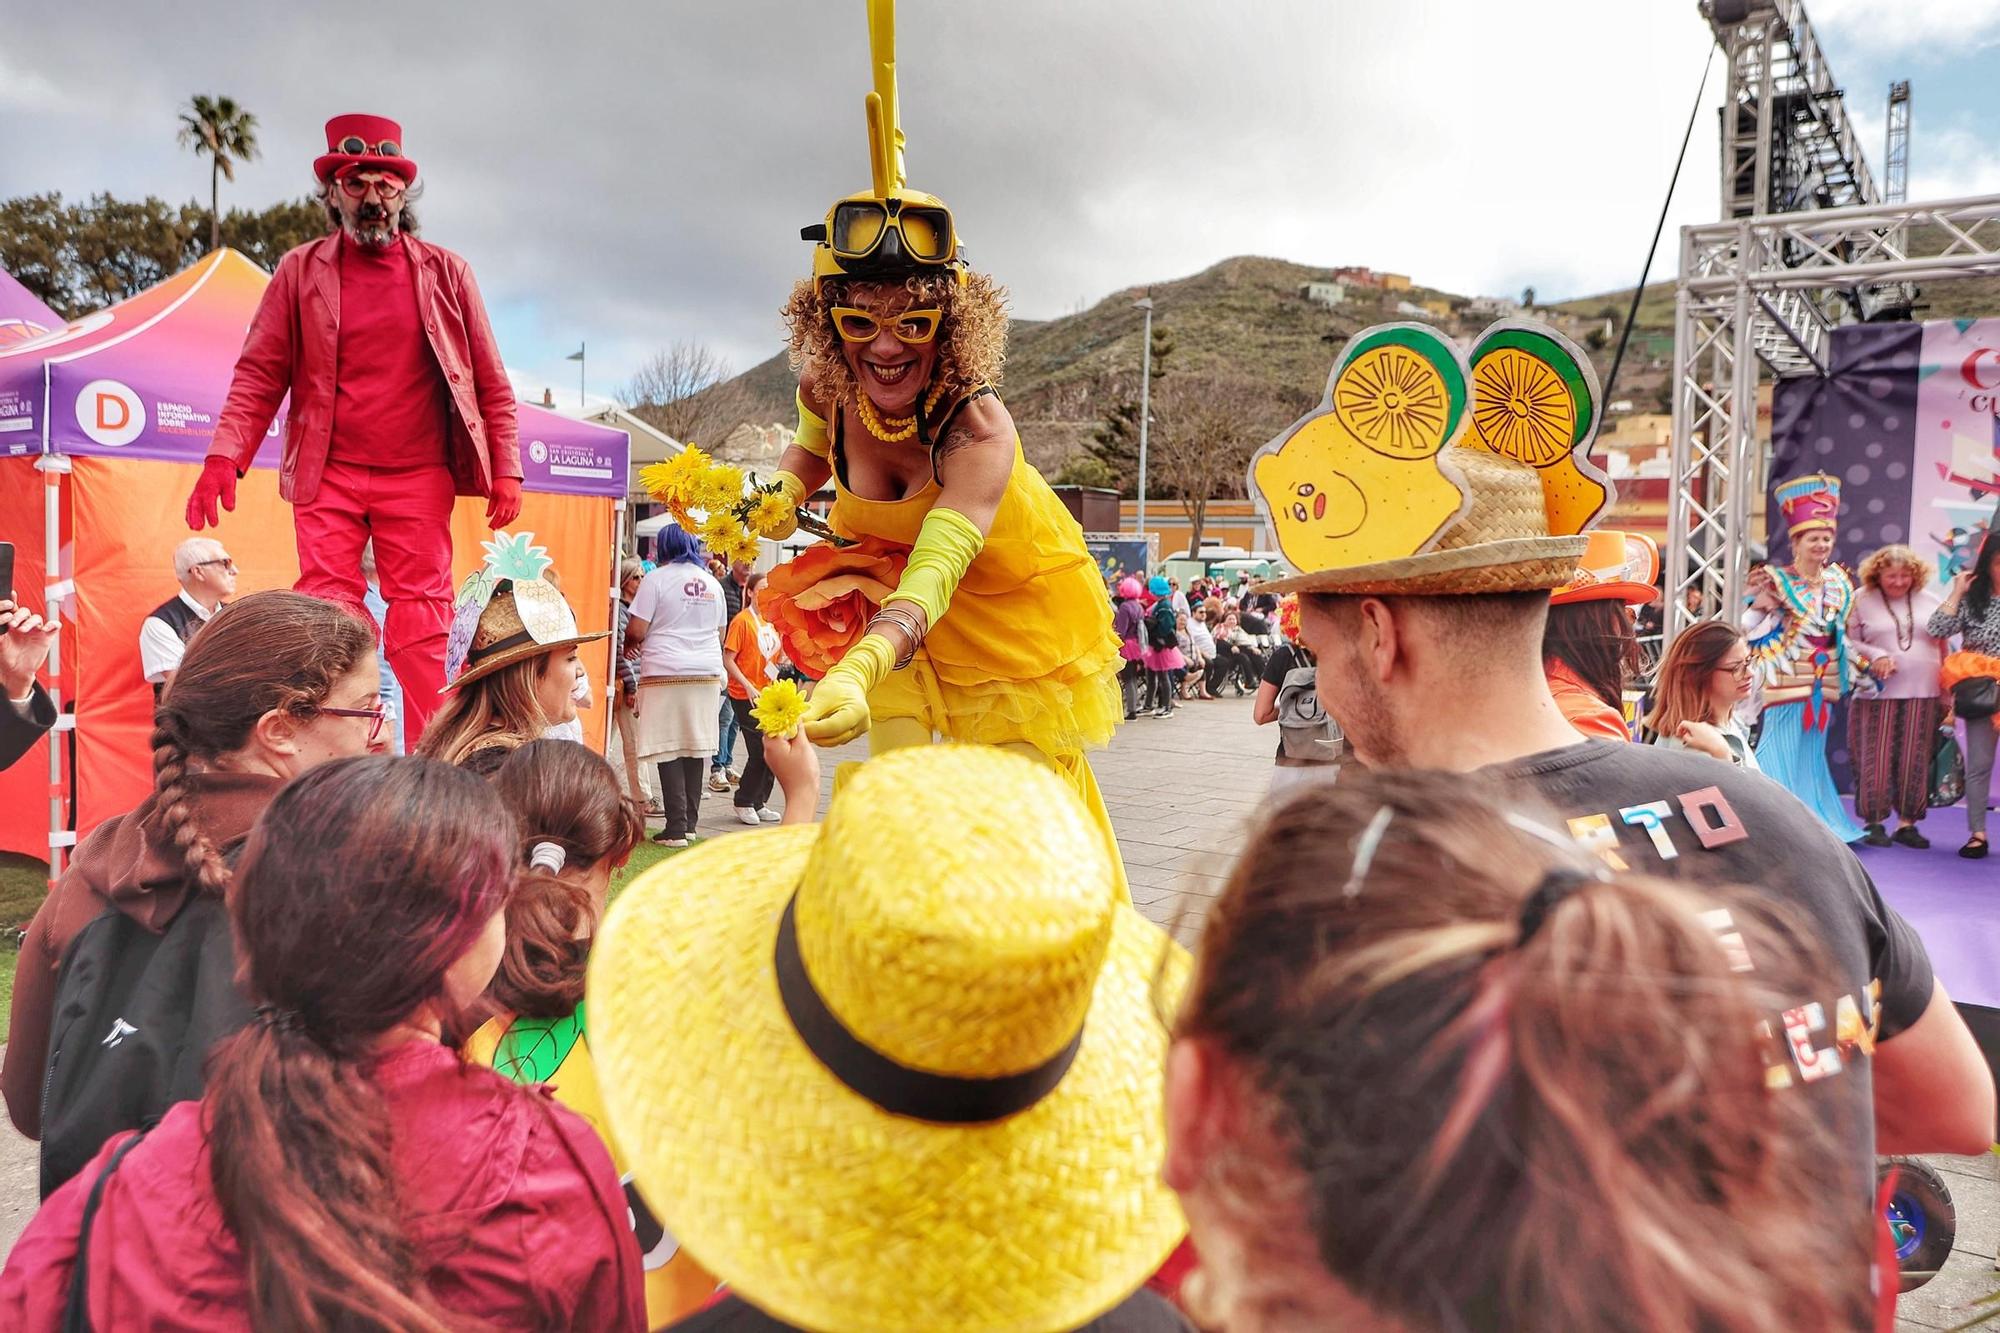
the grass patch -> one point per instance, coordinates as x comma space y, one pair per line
644, 857
24, 882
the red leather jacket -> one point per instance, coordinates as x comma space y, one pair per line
293, 346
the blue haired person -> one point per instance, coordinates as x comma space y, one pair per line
1797, 626
677, 623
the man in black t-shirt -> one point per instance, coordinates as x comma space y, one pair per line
1427, 629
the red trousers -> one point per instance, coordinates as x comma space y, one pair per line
408, 513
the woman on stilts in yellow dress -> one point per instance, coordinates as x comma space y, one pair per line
999, 630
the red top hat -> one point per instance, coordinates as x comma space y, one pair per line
381, 147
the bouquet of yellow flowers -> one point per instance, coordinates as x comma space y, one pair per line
733, 518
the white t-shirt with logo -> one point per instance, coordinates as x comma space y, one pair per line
682, 607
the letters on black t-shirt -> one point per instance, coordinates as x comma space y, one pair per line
1672, 813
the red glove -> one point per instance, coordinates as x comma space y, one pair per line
218, 482
503, 502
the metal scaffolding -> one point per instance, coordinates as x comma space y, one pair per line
1896, 168
1787, 143
1763, 293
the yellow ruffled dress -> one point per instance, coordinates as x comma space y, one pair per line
1024, 656
1025, 652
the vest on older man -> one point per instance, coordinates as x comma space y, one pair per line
179, 617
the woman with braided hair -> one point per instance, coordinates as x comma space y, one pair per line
275, 684
344, 1169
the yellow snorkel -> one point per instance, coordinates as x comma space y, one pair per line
891, 231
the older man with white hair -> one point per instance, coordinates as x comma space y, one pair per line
208, 578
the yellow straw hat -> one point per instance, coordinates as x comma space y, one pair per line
902, 1071
1428, 472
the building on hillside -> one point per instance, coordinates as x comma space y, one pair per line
1323, 293
1492, 307
1436, 307
1411, 310
1357, 277
1395, 282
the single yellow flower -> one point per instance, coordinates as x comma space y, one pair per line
744, 550
720, 486
675, 480
768, 513
720, 531
779, 709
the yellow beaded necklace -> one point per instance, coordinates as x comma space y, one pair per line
896, 429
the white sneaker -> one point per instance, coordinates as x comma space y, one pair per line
768, 815
745, 815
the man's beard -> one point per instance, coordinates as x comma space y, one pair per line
1363, 714
372, 226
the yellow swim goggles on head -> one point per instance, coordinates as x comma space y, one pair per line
912, 328
870, 236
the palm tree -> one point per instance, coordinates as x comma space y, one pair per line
228, 134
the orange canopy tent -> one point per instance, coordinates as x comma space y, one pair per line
103, 425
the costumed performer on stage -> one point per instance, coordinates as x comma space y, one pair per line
1797, 625
399, 404
997, 630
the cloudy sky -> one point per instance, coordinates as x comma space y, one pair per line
634, 172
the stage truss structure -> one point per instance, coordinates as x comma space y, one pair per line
1762, 294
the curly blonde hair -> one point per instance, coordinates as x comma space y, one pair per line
1893, 555
973, 335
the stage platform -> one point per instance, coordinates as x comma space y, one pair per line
1954, 904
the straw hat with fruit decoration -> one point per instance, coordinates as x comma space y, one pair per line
1427, 471
508, 609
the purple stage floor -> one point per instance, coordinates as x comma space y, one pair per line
1953, 903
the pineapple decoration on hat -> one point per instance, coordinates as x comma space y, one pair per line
508, 609
1430, 471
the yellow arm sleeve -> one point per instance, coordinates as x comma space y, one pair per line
946, 546
811, 435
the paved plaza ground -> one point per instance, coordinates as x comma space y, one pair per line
1180, 791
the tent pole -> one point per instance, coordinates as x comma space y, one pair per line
53, 468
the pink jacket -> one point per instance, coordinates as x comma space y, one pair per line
517, 1214
293, 347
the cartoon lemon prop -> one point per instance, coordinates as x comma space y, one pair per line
1522, 409
1395, 401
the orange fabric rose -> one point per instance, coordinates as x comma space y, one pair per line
820, 603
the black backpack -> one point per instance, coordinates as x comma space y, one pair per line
135, 1016
1162, 625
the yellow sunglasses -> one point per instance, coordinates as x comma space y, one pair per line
912, 327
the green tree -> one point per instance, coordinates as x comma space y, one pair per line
1115, 440
1086, 470
266, 235
227, 134
81, 256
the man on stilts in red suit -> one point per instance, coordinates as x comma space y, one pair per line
399, 404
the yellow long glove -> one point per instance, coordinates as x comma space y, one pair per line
811, 435
838, 710
946, 546
794, 490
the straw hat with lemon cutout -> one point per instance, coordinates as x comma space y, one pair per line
1428, 471
508, 609
901, 1070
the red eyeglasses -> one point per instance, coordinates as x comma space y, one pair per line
387, 185
380, 712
